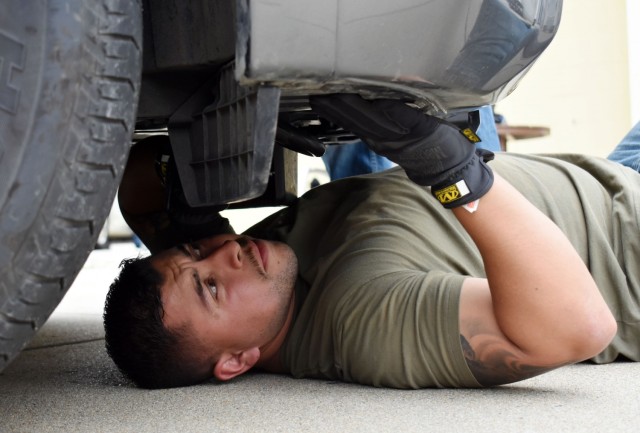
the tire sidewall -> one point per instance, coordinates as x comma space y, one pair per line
64, 147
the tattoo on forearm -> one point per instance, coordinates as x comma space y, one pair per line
493, 363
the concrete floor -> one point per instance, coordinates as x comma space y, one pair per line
64, 382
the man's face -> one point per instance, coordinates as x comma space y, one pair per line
227, 292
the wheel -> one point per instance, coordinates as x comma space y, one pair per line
69, 85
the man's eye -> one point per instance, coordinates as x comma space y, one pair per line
211, 285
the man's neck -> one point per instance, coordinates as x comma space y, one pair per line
270, 359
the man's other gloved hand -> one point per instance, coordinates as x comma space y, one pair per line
187, 223
431, 151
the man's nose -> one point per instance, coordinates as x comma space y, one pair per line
233, 254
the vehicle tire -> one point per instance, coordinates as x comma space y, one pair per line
69, 85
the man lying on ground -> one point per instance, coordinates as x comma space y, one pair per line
447, 271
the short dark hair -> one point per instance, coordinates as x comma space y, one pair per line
136, 339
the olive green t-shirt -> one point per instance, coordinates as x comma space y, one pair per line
381, 264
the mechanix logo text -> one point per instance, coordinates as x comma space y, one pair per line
452, 193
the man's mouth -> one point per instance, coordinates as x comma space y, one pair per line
262, 252
256, 251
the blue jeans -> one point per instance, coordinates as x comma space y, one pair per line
356, 158
353, 159
487, 130
627, 152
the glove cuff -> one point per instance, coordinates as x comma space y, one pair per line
467, 182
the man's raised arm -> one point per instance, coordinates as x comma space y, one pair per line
538, 308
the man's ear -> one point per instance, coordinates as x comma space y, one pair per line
231, 365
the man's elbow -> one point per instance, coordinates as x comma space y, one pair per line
598, 332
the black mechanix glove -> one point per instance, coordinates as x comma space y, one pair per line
431, 151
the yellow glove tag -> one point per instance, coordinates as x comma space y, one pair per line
452, 193
471, 136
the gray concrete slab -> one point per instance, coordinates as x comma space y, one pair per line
64, 382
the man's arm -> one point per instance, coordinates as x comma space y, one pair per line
539, 307
143, 200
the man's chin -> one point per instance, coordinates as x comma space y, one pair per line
289, 274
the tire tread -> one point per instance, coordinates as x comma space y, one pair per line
78, 199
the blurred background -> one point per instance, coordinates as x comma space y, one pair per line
586, 86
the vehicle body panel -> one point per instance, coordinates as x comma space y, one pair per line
449, 54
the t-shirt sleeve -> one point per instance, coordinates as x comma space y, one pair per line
401, 330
